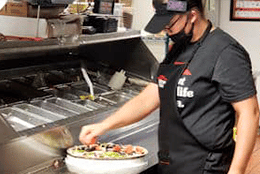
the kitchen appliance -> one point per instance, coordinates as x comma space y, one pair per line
117, 80
101, 23
46, 9
50, 2
44, 98
104, 6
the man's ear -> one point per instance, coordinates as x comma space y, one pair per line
194, 14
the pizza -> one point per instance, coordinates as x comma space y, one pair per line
107, 151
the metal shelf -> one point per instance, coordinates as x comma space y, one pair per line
20, 49
99, 38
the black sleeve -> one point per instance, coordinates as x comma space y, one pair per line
233, 74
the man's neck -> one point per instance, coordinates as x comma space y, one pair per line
199, 29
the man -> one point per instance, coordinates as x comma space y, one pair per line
203, 83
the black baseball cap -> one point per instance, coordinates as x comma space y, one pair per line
164, 11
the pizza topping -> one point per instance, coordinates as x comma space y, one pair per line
107, 151
93, 141
98, 148
128, 149
116, 148
139, 150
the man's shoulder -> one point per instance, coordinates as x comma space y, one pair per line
221, 40
220, 36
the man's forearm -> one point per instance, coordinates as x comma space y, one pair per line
134, 110
247, 129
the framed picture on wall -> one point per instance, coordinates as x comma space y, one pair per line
245, 10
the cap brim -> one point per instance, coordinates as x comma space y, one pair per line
158, 23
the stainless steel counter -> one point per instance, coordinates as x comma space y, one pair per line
44, 104
50, 144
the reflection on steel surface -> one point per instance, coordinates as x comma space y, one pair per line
59, 137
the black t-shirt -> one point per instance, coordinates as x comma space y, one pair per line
219, 74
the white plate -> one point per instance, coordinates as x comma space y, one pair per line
89, 166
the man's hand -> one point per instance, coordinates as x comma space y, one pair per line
89, 133
133, 111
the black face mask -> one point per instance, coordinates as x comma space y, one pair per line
181, 41
181, 37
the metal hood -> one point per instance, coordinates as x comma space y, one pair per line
128, 53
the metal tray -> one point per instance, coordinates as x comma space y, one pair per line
54, 108
40, 113
118, 97
104, 101
65, 94
69, 105
97, 88
90, 104
68, 93
20, 120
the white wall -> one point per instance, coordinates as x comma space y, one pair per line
142, 11
247, 33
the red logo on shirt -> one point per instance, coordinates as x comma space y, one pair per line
162, 77
186, 72
162, 81
179, 63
